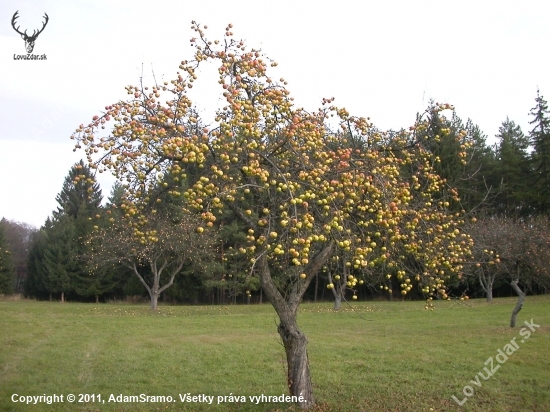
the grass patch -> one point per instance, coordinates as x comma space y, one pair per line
381, 356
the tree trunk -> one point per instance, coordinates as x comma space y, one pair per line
486, 280
316, 288
154, 300
96, 298
489, 294
294, 341
337, 301
298, 375
156, 290
337, 292
519, 304
62, 297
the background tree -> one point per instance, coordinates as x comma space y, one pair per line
540, 139
536, 279
60, 256
54, 260
513, 171
231, 278
115, 280
80, 196
79, 202
309, 196
35, 282
154, 246
18, 237
460, 156
509, 250
487, 233
7, 272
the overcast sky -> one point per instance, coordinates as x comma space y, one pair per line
379, 59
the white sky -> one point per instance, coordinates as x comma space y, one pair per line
380, 59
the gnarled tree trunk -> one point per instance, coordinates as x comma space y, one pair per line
294, 340
298, 375
519, 304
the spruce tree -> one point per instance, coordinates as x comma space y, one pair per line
80, 195
78, 213
60, 257
18, 236
512, 171
116, 196
475, 187
540, 139
461, 156
7, 272
35, 282
96, 281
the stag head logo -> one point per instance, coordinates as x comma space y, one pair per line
29, 40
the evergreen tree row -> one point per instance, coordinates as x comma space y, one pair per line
509, 179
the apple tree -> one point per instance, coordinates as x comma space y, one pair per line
301, 191
154, 244
511, 251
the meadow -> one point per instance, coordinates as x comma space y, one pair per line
370, 356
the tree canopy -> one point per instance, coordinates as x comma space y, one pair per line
307, 186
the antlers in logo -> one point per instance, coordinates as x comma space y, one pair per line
29, 40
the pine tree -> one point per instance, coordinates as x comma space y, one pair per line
7, 272
540, 139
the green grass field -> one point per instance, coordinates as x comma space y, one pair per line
381, 356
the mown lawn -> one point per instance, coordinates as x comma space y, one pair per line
381, 356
